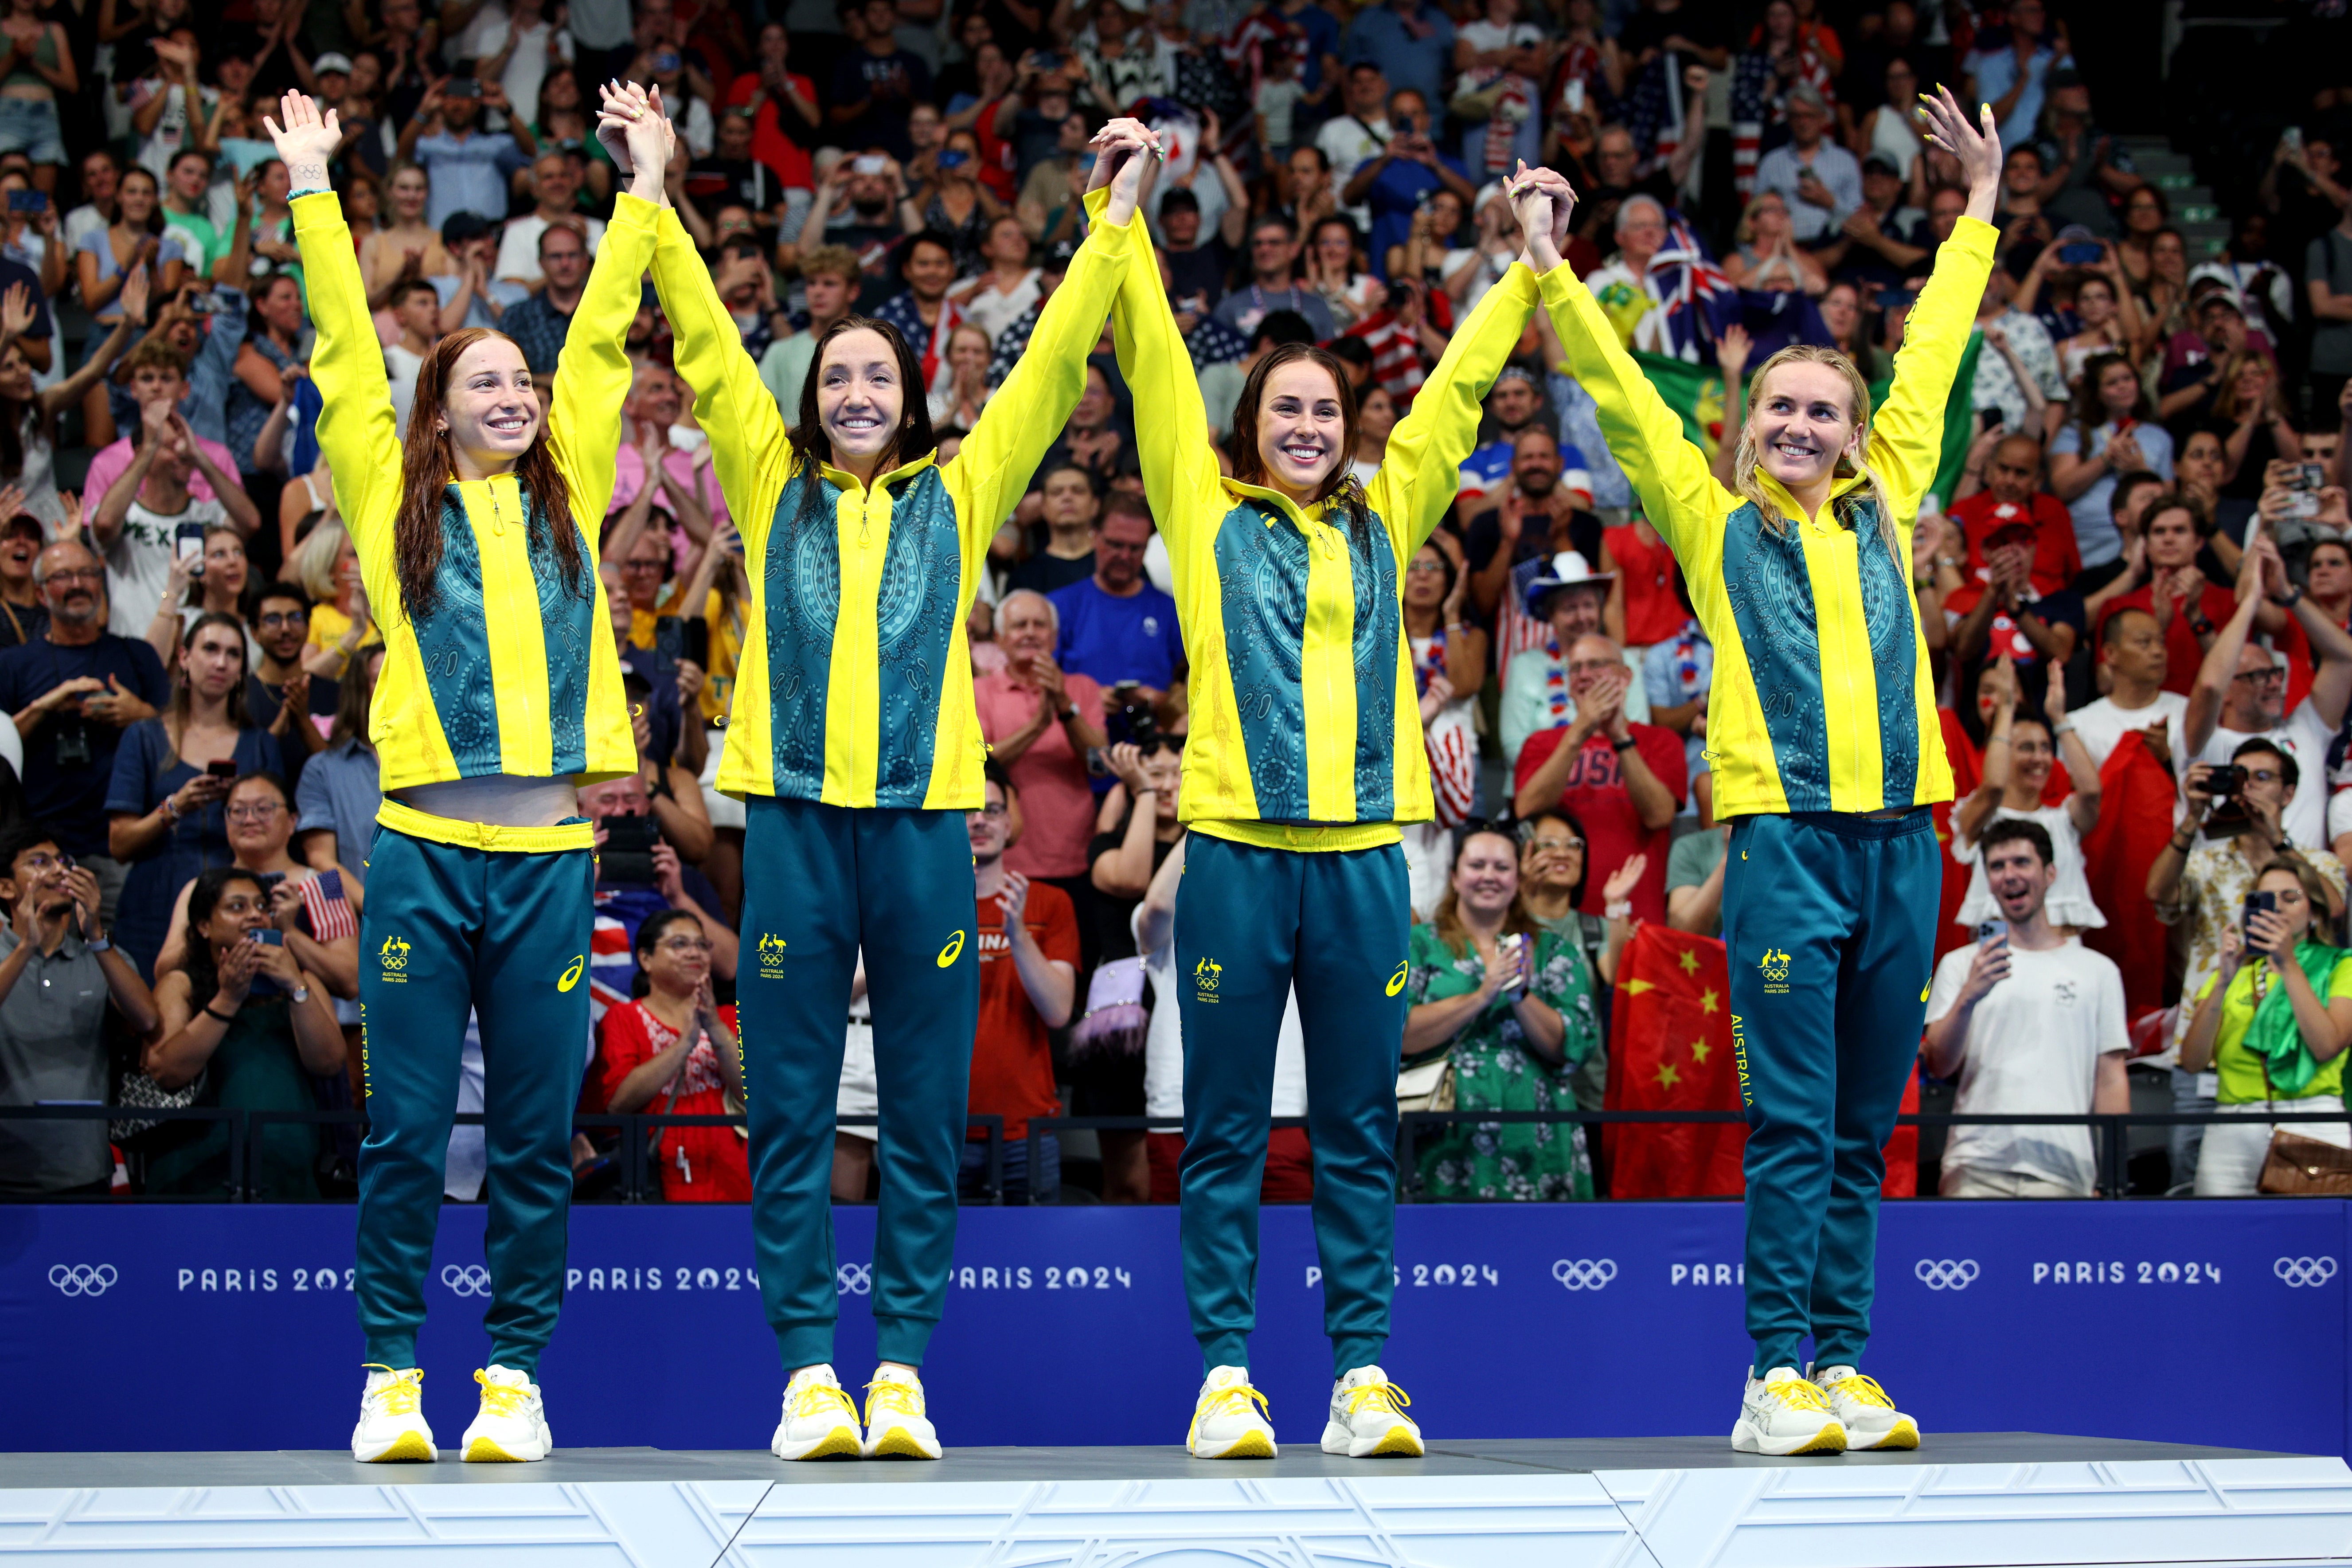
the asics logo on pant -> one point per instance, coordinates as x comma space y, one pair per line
953, 950
570, 976
1396, 981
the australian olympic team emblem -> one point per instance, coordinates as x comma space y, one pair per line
394, 957
772, 956
1775, 965
1205, 976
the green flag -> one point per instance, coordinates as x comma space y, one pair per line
1695, 392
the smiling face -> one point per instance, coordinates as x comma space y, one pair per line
1590, 660
16, 375
1301, 429
1803, 423
1025, 627
1487, 876
930, 267
136, 198
1842, 312
1553, 860
1424, 579
860, 395
990, 828
2118, 388
489, 408
243, 907
1376, 416
2018, 877
260, 821
1335, 247
677, 959
410, 191
18, 547
281, 627
1768, 217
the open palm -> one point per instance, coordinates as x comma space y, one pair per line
304, 138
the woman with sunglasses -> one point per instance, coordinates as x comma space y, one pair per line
855, 746
1305, 758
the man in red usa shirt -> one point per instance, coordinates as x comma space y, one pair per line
1623, 780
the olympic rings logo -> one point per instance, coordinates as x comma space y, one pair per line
853, 1279
2299, 1272
1944, 1274
82, 1278
1584, 1273
473, 1280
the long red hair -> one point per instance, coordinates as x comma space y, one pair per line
427, 462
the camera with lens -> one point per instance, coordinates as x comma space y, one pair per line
1129, 717
2225, 785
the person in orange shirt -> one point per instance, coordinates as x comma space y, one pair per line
1028, 934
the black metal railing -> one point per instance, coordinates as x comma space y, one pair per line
2111, 1134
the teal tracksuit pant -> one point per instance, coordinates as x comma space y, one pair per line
819, 882
1250, 923
1830, 923
499, 927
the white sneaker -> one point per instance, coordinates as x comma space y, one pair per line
896, 1427
511, 1426
1225, 1426
1368, 1420
391, 1426
1783, 1414
1862, 1407
819, 1421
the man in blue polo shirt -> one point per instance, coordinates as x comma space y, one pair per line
1116, 626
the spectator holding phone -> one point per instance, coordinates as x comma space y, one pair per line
2033, 1024
170, 781
2273, 1030
56, 971
309, 910
2018, 756
1511, 1006
249, 1022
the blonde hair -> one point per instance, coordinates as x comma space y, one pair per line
1744, 462
314, 561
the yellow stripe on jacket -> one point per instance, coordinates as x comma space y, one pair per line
510, 673
1822, 699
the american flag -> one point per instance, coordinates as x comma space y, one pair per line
330, 915
1396, 357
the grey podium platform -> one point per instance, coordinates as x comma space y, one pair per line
1967, 1499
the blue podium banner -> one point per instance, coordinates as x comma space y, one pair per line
232, 1327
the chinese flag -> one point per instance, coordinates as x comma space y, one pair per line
1967, 770
2136, 800
1670, 1049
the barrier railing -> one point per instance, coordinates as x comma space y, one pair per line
635, 1183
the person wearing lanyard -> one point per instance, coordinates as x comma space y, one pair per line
857, 749
501, 693
1827, 757
1306, 757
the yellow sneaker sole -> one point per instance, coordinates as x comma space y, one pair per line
410, 1446
1401, 1441
482, 1451
1248, 1446
1829, 1439
898, 1443
1904, 1435
841, 1443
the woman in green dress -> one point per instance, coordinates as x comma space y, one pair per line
1515, 1005
255, 1026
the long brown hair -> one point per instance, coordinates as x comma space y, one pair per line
1249, 460
184, 695
428, 463
812, 448
353, 696
2090, 410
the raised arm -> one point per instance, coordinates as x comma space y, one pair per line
1907, 431
1181, 477
1030, 409
356, 430
1679, 496
1422, 466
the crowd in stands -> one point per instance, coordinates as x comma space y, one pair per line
2134, 578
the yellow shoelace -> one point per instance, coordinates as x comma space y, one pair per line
906, 1398
819, 1398
1385, 1396
1797, 1393
500, 1399
399, 1396
1863, 1390
1233, 1399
